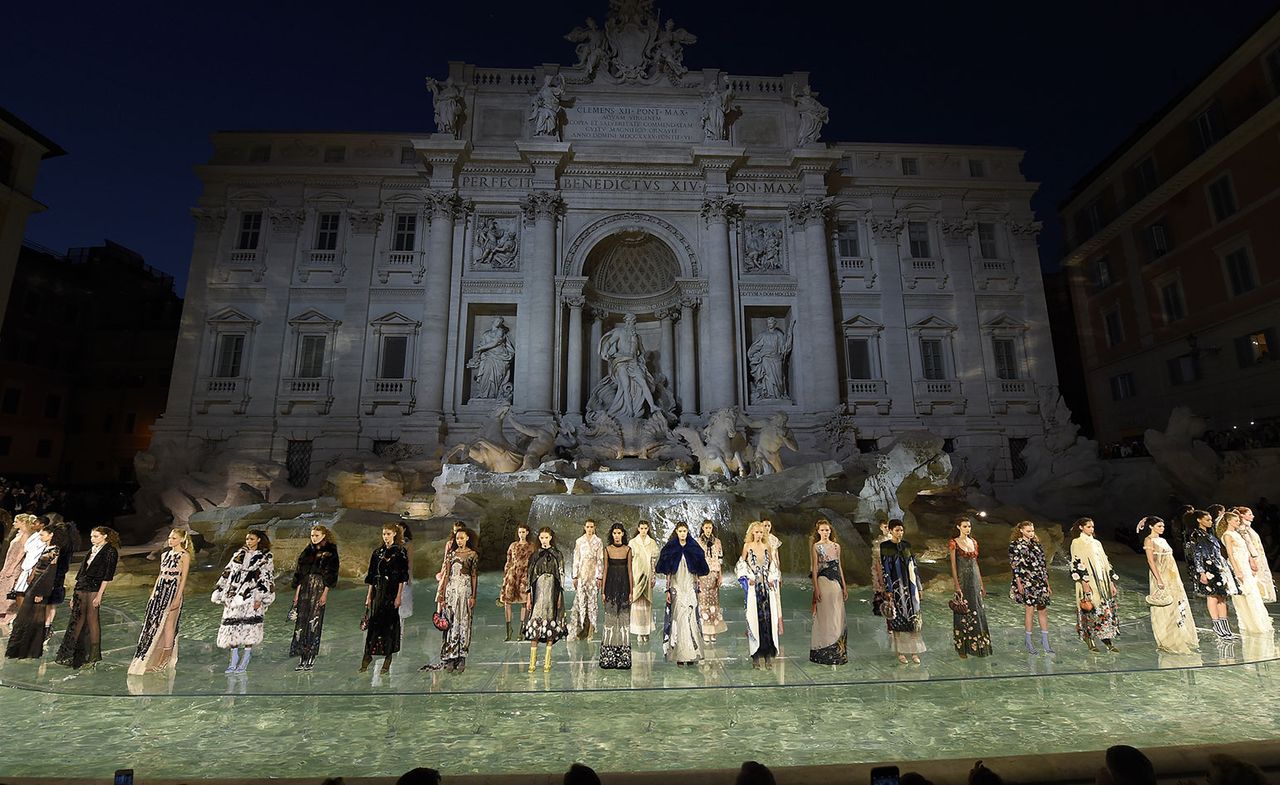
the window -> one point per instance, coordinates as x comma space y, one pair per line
977, 167
226, 364
1172, 302
394, 349
1002, 349
130, 422
297, 462
911, 166
408, 156
847, 241
987, 247
859, 355
12, 398
1222, 198
335, 155
1094, 216
1158, 242
1122, 387
250, 231
1102, 273
918, 237
406, 232
6, 444
311, 356
1184, 369
1207, 127
327, 232
52, 406
1114, 326
260, 154
44, 448
1255, 348
1144, 177
1240, 277
931, 358
1017, 463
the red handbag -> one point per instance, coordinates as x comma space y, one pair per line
440, 620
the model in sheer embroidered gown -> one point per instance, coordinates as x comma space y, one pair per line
82, 642
1257, 555
1172, 625
514, 575
1097, 590
902, 595
828, 644
969, 630
459, 590
158, 644
758, 573
644, 556
615, 639
683, 562
709, 611
314, 575
1251, 612
1029, 584
588, 568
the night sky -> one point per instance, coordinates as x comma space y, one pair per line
132, 91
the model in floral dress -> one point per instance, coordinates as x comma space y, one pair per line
969, 630
644, 557
1096, 588
459, 592
615, 638
245, 590
829, 641
513, 575
588, 569
82, 642
1171, 624
709, 610
902, 588
388, 569
1251, 612
158, 644
683, 562
544, 598
315, 574
1257, 555
1210, 574
1029, 586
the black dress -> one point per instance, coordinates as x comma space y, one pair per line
26, 641
82, 642
615, 642
317, 570
388, 568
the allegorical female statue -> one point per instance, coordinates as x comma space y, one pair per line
768, 358
491, 363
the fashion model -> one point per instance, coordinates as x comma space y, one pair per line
245, 590
759, 575
1029, 586
644, 557
1096, 588
709, 610
314, 575
588, 566
1251, 612
514, 575
1210, 574
683, 562
901, 605
544, 599
828, 644
82, 642
615, 638
968, 619
388, 570
158, 644
1171, 623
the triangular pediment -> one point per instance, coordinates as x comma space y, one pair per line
395, 319
933, 323
1004, 321
312, 316
862, 323
232, 316
249, 197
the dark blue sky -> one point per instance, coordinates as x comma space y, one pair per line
132, 90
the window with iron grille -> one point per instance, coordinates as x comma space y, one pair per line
1017, 463
297, 462
918, 236
250, 231
868, 445
1158, 243
406, 232
327, 232
382, 446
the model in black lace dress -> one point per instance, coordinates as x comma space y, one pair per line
315, 574
82, 642
388, 571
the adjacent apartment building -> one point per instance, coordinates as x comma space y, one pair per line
1174, 255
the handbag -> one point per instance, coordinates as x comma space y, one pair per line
1159, 598
1086, 604
877, 604
959, 604
440, 620
364, 620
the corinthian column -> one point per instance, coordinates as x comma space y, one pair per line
816, 321
598, 315
535, 387
573, 404
444, 207
686, 382
719, 383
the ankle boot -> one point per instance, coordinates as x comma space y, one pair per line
1044, 642
546, 664
533, 657
244, 661
1092, 646
1030, 648
235, 661
509, 638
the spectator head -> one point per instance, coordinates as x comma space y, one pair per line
913, 778
419, 776
580, 774
1228, 770
981, 775
1126, 765
753, 773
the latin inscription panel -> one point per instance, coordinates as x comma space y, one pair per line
632, 123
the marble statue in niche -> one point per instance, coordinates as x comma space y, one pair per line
491, 363
626, 392
447, 97
546, 112
763, 251
813, 115
768, 357
717, 102
497, 244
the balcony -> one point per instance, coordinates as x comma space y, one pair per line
322, 262
930, 393
1021, 392
251, 261
994, 271
916, 270
310, 391
398, 393
856, 272
402, 262
221, 391
868, 393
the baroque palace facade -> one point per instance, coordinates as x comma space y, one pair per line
353, 291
